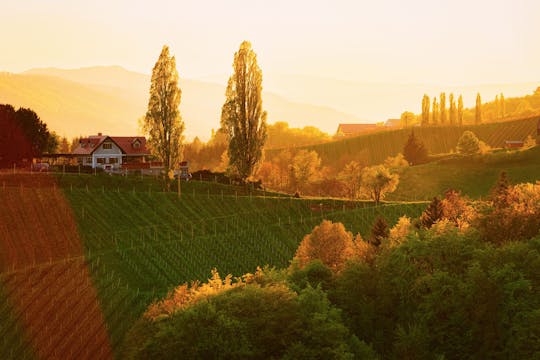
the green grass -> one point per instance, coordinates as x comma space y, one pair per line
375, 148
141, 244
473, 176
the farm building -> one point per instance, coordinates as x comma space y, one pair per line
513, 144
112, 152
346, 130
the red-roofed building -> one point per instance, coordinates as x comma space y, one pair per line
111, 152
345, 130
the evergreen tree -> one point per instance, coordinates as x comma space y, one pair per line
468, 144
433, 213
499, 192
425, 110
460, 111
453, 110
163, 122
442, 108
478, 113
497, 107
242, 115
379, 231
414, 150
435, 112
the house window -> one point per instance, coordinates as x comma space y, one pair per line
113, 161
107, 145
100, 160
88, 160
136, 145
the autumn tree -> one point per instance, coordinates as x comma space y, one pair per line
377, 181
442, 107
242, 115
163, 122
407, 118
478, 110
435, 112
425, 110
460, 111
453, 111
64, 147
502, 104
305, 167
414, 150
328, 242
351, 175
468, 144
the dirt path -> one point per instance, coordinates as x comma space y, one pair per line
44, 273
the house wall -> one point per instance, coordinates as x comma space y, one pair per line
114, 153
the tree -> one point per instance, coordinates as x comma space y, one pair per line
414, 150
305, 167
351, 175
460, 111
433, 213
163, 122
64, 146
468, 144
478, 112
435, 112
442, 107
453, 111
377, 181
242, 116
407, 118
425, 110
328, 242
502, 106
379, 231
499, 193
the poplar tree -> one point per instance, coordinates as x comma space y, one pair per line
242, 116
425, 110
453, 110
163, 122
497, 107
460, 110
435, 112
442, 108
503, 106
478, 114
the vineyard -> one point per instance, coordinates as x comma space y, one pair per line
376, 147
130, 246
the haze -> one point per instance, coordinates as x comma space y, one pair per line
435, 45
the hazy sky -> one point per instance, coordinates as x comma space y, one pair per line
439, 42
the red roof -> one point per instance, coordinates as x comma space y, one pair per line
130, 145
348, 129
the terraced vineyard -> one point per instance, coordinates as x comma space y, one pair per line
375, 148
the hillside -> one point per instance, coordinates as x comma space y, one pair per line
112, 99
138, 243
473, 177
375, 148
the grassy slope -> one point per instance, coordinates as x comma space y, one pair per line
141, 244
472, 176
375, 148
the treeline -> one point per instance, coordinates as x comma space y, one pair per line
461, 281
24, 136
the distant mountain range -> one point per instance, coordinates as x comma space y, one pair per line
110, 99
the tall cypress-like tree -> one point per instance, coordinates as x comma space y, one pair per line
460, 110
497, 107
442, 108
433, 213
242, 116
425, 110
478, 113
163, 122
435, 112
503, 106
414, 150
453, 111
379, 231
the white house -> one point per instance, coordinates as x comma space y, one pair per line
111, 152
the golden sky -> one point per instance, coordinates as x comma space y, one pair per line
437, 42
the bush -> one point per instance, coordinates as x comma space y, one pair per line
468, 144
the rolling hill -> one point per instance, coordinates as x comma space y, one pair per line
112, 99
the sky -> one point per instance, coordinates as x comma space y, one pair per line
460, 42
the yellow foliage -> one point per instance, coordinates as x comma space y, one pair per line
328, 242
400, 231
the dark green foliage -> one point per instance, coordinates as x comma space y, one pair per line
499, 191
414, 150
433, 213
379, 232
313, 274
249, 322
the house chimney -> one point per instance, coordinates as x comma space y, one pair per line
99, 134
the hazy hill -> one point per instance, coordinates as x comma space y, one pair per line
110, 99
